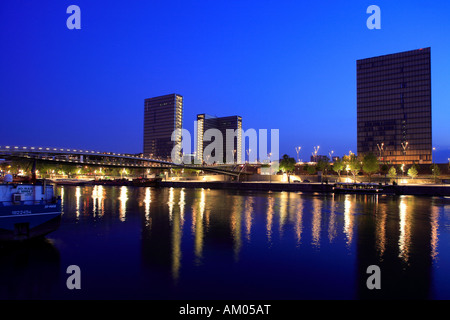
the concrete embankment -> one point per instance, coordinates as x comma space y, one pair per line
419, 190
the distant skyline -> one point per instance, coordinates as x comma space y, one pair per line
286, 65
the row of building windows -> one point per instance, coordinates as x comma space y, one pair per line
392, 114
392, 135
393, 99
422, 100
381, 118
381, 91
364, 121
401, 57
385, 125
399, 151
399, 129
416, 76
375, 76
395, 83
411, 58
416, 144
394, 140
378, 131
399, 87
389, 64
412, 112
394, 89
395, 70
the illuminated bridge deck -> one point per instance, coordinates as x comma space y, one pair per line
108, 159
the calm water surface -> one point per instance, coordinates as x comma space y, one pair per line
149, 243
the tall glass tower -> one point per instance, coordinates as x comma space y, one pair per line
162, 116
394, 107
231, 146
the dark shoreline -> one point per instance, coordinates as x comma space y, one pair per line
416, 190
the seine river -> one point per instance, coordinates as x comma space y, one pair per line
170, 243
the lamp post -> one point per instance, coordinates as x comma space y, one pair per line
331, 155
403, 170
380, 148
432, 156
316, 149
297, 149
404, 146
270, 167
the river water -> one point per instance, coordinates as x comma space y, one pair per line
170, 243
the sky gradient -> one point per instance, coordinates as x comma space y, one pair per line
288, 65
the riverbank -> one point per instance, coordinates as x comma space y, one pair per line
418, 190
263, 186
312, 187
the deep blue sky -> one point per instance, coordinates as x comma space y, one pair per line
288, 65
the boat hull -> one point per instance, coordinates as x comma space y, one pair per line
23, 222
353, 191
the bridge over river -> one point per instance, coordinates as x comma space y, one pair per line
109, 159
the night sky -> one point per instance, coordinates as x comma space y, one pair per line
288, 65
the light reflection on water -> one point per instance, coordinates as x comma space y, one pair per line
200, 243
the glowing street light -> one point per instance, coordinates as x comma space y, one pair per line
381, 149
434, 149
316, 150
404, 146
331, 155
297, 149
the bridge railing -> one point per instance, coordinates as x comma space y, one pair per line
53, 154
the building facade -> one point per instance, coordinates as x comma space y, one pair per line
394, 107
224, 125
162, 116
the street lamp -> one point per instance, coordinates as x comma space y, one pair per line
380, 148
404, 146
331, 155
297, 149
316, 149
432, 156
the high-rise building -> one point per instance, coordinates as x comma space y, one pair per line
394, 107
162, 116
224, 125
